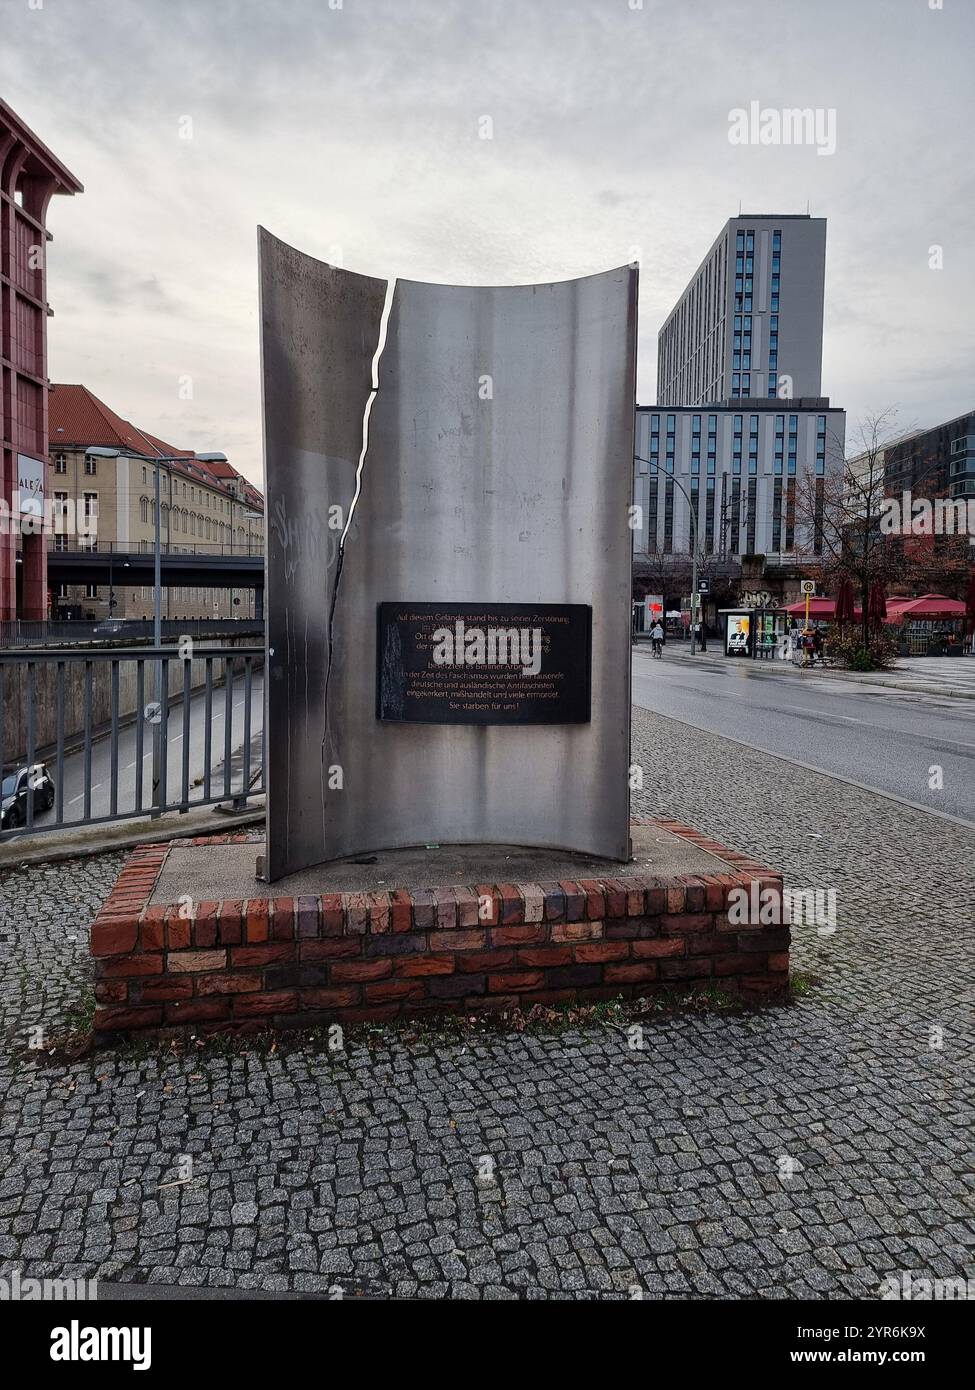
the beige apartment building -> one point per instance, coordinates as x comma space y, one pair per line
107, 503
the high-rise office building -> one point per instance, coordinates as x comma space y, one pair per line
750, 322
741, 429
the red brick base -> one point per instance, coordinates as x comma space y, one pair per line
301, 962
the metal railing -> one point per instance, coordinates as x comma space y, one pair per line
47, 632
92, 545
91, 718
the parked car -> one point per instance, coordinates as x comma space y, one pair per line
14, 790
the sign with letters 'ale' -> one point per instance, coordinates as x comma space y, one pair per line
492, 663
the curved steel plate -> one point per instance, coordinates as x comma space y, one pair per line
499, 469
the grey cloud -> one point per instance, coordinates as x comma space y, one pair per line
356, 130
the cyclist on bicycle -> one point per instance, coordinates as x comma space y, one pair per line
657, 639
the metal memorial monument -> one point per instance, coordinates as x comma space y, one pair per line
448, 475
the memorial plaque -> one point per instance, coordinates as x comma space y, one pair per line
491, 663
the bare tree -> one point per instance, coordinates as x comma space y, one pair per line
669, 572
838, 518
665, 572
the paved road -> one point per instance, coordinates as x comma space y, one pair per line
101, 771
885, 739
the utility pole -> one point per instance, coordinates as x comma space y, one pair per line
655, 472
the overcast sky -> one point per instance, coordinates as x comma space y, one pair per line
353, 131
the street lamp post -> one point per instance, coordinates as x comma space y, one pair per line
655, 472
250, 516
158, 792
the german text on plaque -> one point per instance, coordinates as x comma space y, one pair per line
491, 663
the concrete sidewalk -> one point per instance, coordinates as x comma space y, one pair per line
77, 840
952, 677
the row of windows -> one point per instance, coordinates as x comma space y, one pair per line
690, 362
196, 494
745, 242
780, 463
729, 518
690, 350
199, 495
773, 341
61, 464
177, 595
752, 422
191, 524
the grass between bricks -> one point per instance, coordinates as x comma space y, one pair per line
77, 1039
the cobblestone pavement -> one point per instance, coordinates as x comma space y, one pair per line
799, 1152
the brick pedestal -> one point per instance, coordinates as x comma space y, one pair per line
301, 962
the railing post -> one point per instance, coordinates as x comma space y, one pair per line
158, 791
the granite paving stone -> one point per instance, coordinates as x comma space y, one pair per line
805, 1151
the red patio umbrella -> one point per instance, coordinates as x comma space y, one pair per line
818, 608
845, 601
927, 606
877, 604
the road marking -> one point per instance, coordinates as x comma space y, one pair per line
824, 772
899, 733
828, 714
824, 714
81, 795
902, 693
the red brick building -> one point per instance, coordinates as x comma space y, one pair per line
30, 175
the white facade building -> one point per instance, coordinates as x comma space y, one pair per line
743, 464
